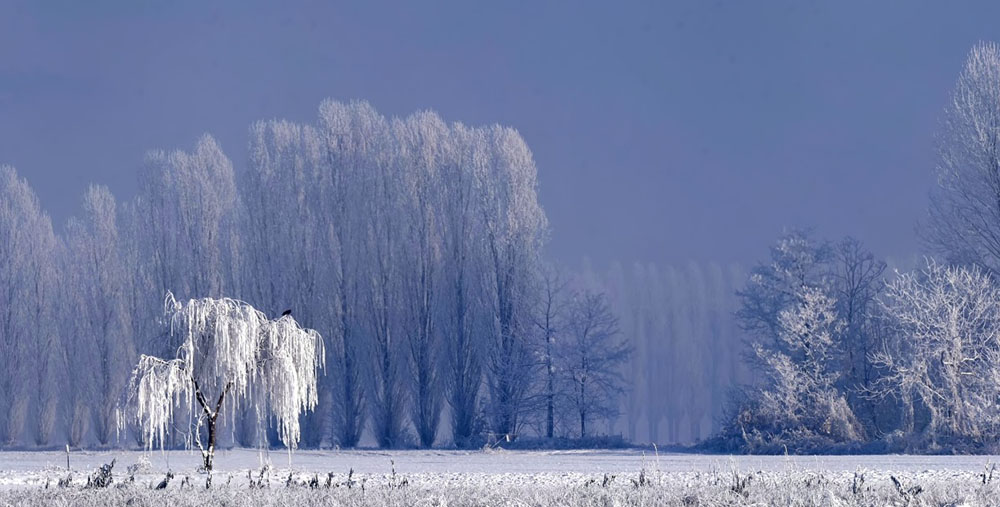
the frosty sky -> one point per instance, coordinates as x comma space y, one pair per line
663, 131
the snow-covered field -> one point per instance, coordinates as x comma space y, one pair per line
500, 478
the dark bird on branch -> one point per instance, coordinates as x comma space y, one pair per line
286, 312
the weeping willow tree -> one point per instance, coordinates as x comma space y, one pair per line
230, 356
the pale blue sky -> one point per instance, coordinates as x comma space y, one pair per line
663, 131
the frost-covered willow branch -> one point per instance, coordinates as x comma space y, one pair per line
231, 355
156, 386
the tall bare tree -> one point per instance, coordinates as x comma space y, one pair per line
550, 317
591, 357
964, 218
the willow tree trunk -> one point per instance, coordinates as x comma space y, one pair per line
209, 454
211, 418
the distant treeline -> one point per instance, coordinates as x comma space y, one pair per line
410, 244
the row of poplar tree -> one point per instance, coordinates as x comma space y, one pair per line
410, 244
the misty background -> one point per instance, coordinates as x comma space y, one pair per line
674, 142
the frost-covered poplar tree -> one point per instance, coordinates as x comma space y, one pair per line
344, 140
672, 326
514, 227
717, 351
99, 349
31, 351
424, 142
44, 344
383, 224
691, 349
286, 232
78, 390
652, 317
230, 355
462, 305
186, 216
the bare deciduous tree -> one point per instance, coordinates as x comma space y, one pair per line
964, 221
945, 354
550, 318
590, 359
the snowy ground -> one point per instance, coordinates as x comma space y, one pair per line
504, 477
